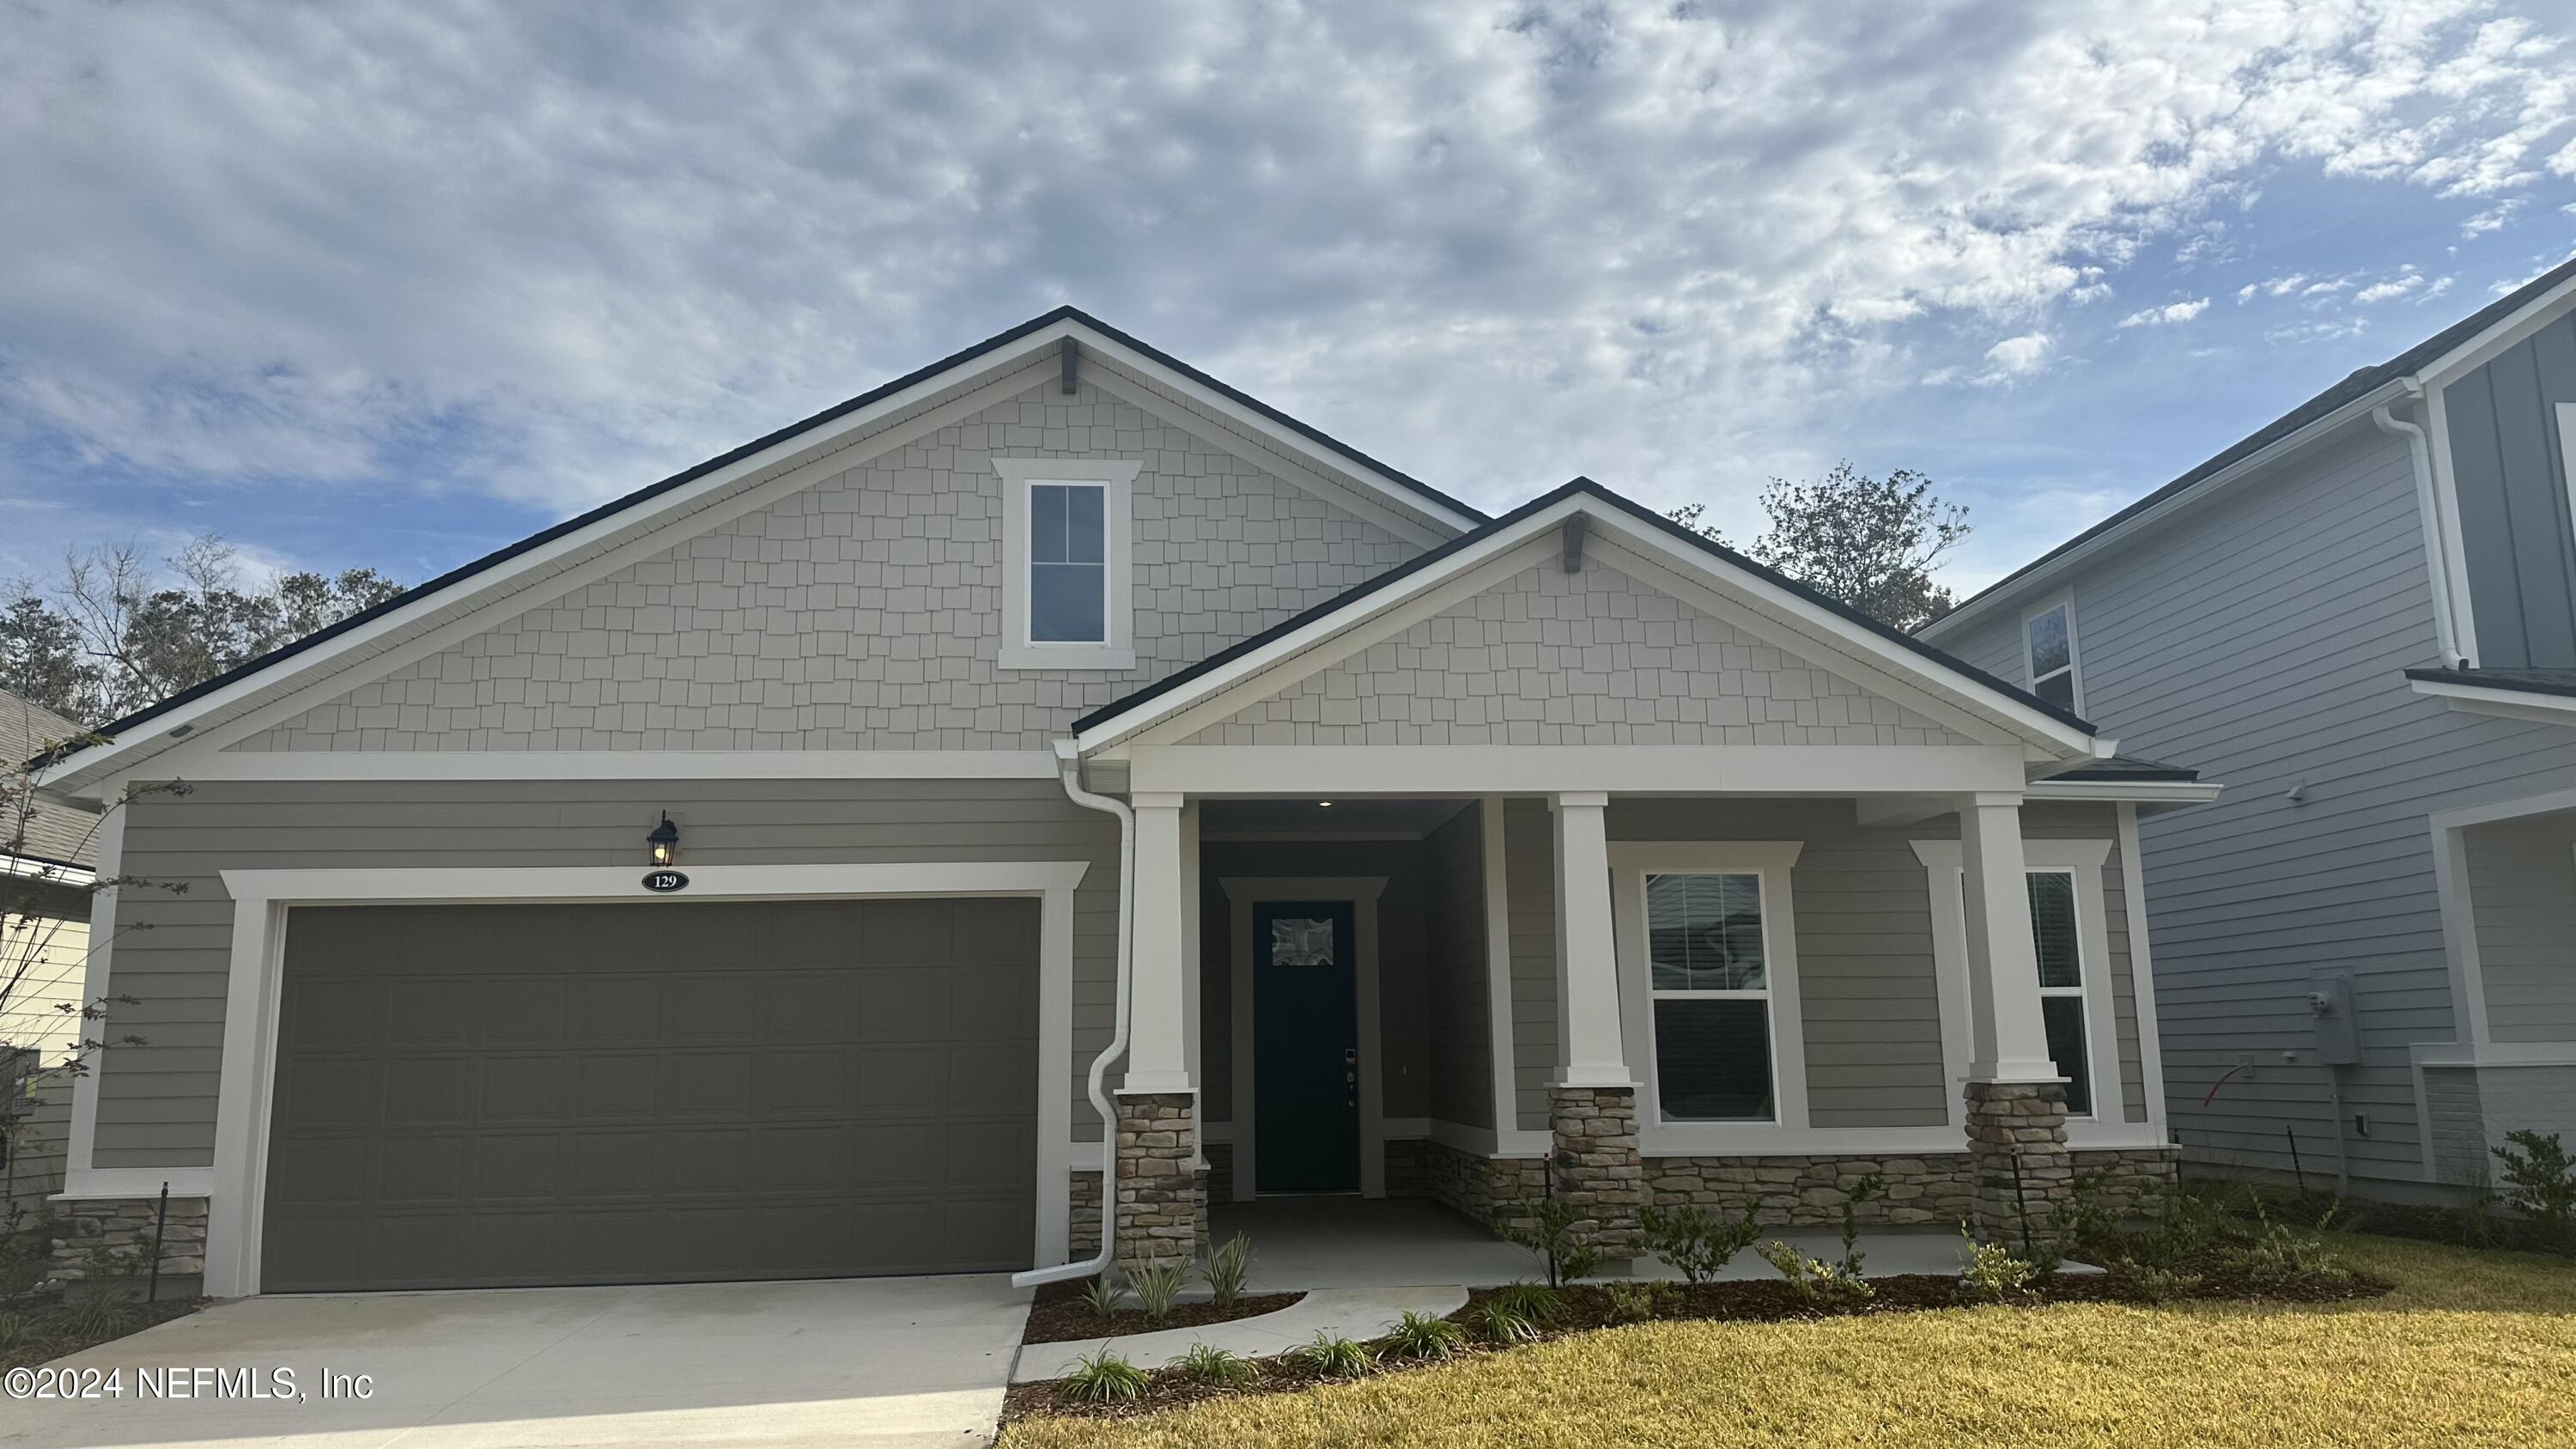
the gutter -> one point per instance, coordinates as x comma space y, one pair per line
2427, 502
1069, 772
36, 867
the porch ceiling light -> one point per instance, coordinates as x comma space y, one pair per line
664, 842
1323, 804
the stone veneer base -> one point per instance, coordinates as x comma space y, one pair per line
1162, 1191
103, 1246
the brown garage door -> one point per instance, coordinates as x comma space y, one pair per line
653, 1092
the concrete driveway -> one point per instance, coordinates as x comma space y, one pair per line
871, 1362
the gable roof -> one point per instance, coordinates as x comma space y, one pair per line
1022, 343
2359, 391
1174, 692
56, 833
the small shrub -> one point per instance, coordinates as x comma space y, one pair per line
2282, 1257
1641, 1300
1418, 1336
2157, 1285
1102, 1378
1217, 1367
1105, 1292
16, 1330
1816, 1280
1159, 1287
1991, 1274
1334, 1358
2084, 1220
96, 1318
1695, 1242
1536, 1302
1868, 1190
1500, 1322
2540, 1179
1227, 1269
1546, 1228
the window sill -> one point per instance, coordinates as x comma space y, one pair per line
1066, 656
1770, 1139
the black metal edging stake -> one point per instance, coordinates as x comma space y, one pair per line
2296, 1170
2021, 1204
160, 1221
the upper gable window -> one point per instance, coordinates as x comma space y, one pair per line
1067, 539
2048, 653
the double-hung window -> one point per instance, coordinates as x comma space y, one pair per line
1711, 991
2062, 1007
1066, 590
2048, 657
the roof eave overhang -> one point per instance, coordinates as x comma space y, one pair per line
2066, 746
2533, 706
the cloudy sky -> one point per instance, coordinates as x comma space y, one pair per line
398, 283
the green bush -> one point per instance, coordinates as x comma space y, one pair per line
1546, 1228
1536, 1302
2281, 1258
2156, 1285
1105, 1292
1217, 1367
1227, 1269
2539, 1178
1420, 1336
16, 1329
1158, 1288
1695, 1242
1816, 1280
1641, 1300
1102, 1378
1334, 1358
1991, 1274
1502, 1323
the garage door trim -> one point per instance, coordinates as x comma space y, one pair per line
262, 898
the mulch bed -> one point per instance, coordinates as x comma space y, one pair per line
1743, 1300
1061, 1315
53, 1330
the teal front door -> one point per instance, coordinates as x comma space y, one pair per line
1305, 1047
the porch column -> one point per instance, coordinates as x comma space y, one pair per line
1592, 1107
1162, 1213
2016, 1101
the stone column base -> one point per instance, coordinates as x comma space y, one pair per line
1162, 1201
105, 1247
2017, 1138
1597, 1166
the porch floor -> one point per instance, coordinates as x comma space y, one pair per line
1302, 1243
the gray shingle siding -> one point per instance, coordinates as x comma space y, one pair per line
2517, 528
2261, 639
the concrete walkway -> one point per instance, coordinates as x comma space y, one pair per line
875, 1362
1361, 1313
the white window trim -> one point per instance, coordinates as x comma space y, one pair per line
2063, 599
236, 1186
2085, 859
1118, 525
2567, 454
1772, 862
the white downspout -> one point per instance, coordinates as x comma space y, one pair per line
2445, 633
1069, 771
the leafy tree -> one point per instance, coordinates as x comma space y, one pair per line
118, 634
1869, 542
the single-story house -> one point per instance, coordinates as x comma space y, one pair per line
837, 857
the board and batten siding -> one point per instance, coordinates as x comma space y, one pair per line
864, 611
1869, 992
2262, 639
173, 953
2517, 518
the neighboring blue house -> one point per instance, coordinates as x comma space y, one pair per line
2363, 619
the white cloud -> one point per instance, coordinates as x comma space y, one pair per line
2170, 312
2407, 280
484, 247
2491, 219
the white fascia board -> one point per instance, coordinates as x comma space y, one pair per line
2503, 703
626, 765
2143, 792
1809, 621
58, 872
2478, 351
2053, 572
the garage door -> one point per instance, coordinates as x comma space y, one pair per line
653, 1092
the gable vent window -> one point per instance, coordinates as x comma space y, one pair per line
1067, 588
2048, 640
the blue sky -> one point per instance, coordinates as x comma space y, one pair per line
397, 284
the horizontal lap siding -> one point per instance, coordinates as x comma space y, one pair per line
1529, 870
2263, 641
1459, 987
173, 950
2522, 877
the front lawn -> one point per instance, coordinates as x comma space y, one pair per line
2471, 1348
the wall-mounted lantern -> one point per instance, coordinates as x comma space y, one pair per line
664, 842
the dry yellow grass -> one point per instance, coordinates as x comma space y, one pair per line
2473, 1349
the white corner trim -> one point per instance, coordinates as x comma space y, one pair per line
626, 765
1944, 861
2519, 704
1774, 863
261, 912
1117, 481
2142, 967
1362, 892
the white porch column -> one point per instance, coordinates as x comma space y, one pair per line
1587, 976
2007, 1041
1158, 1038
